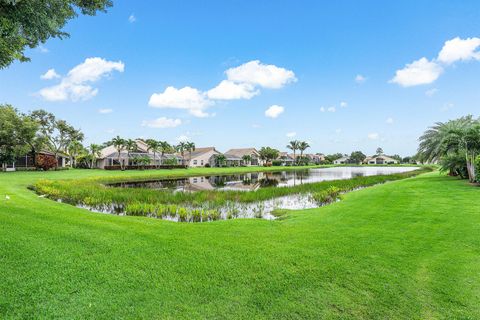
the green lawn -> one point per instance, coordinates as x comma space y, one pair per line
407, 249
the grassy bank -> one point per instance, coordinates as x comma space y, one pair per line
407, 249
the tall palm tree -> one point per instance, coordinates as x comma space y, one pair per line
131, 146
293, 145
94, 150
181, 148
154, 146
302, 146
164, 148
190, 148
119, 144
74, 149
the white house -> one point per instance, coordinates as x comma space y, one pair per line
201, 157
380, 159
342, 160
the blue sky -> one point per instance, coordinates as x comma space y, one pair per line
304, 56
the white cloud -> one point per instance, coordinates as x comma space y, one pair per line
360, 79
162, 122
274, 111
132, 18
291, 134
229, 90
74, 86
50, 74
431, 92
187, 98
329, 109
105, 111
389, 120
343, 104
43, 49
373, 136
458, 49
257, 73
418, 72
183, 138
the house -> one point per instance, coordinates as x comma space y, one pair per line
342, 160
201, 157
235, 154
109, 156
315, 158
27, 161
380, 159
285, 158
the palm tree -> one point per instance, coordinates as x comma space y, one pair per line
220, 159
247, 159
293, 145
190, 148
302, 146
130, 145
119, 144
164, 147
74, 149
94, 153
181, 148
154, 146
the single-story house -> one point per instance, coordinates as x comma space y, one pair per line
315, 158
201, 157
342, 160
285, 158
380, 159
27, 161
241, 153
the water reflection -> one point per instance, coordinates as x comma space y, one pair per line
255, 180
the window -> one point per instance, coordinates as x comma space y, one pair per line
194, 161
201, 162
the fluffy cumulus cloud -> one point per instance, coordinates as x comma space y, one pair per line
105, 111
343, 104
162, 122
291, 134
76, 86
186, 98
264, 75
243, 82
274, 111
229, 90
418, 72
50, 74
459, 50
329, 109
425, 71
373, 136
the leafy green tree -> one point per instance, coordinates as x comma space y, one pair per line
58, 134
154, 146
94, 152
268, 154
247, 159
357, 156
332, 157
220, 160
165, 147
17, 133
181, 148
28, 23
75, 148
293, 145
379, 151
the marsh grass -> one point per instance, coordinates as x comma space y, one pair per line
188, 206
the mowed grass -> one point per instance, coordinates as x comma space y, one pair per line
408, 249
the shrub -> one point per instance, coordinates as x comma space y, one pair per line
45, 161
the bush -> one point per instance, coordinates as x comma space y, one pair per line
45, 161
207, 165
276, 163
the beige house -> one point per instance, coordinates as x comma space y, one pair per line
239, 154
286, 159
380, 159
201, 157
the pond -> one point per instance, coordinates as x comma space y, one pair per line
255, 180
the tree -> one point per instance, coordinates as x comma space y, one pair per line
27, 24
58, 134
379, 151
357, 156
164, 148
247, 159
153, 145
181, 148
17, 133
293, 145
268, 154
332, 157
119, 144
302, 146
74, 150
131, 146
190, 147
94, 150
220, 159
